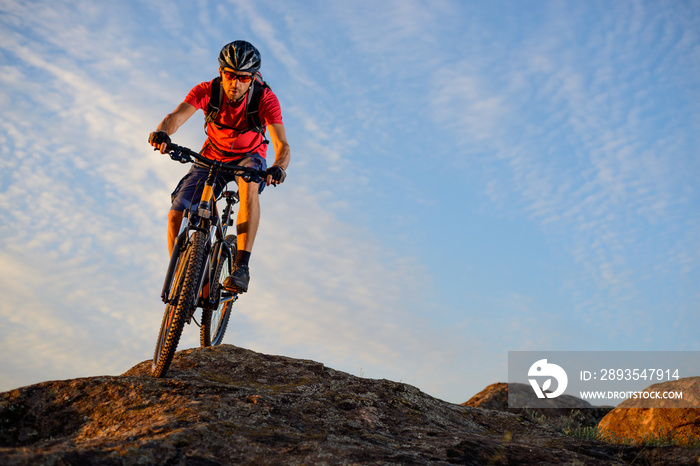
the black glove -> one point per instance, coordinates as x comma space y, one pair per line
278, 174
158, 137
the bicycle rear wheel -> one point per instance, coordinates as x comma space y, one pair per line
214, 322
182, 300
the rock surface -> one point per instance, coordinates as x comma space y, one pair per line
630, 421
227, 405
578, 412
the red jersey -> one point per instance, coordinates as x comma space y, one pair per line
235, 136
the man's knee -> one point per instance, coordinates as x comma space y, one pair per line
174, 222
175, 217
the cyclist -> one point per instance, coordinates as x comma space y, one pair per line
230, 138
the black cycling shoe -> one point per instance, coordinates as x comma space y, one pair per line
238, 281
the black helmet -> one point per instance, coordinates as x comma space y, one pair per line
240, 55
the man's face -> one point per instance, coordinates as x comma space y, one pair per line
233, 85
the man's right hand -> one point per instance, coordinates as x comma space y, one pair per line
159, 140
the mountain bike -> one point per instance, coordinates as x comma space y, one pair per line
202, 257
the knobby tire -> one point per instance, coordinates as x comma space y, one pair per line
214, 322
183, 299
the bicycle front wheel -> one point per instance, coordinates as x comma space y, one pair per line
215, 321
182, 300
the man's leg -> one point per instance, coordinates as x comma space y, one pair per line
189, 187
174, 222
248, 215
247, 228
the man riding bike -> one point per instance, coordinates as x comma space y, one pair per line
231, 137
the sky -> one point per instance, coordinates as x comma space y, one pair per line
467, 179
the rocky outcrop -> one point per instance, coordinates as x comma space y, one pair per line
227, 405
630, 421
563, 409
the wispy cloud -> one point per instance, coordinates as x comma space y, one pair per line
600, 183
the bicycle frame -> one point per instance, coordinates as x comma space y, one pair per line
206, 219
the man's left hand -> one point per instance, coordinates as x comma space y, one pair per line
275, 175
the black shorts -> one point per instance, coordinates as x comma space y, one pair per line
189, 189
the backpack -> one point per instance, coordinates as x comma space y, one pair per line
252, 112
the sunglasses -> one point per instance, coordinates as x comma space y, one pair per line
241, 78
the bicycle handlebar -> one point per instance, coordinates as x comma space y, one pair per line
184, 155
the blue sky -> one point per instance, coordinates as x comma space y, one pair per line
467, 179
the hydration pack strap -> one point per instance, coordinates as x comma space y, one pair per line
252, 112
216, 99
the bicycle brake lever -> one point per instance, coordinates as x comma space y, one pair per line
180, 156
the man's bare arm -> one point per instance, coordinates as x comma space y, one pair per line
279, 142
174, 120
282, 150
